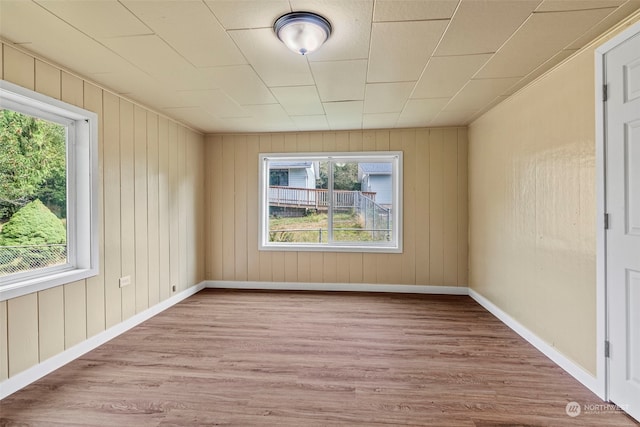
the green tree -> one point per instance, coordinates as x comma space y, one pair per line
33, 224
25, 240
32, 162
53, 192
345, 176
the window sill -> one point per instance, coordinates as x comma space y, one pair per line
40, 283
332, 248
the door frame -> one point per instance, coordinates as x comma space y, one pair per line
602, 374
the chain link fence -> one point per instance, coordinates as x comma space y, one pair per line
375, 218
16, 259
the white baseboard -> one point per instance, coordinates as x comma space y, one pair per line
38, 371
346, 287
576, 371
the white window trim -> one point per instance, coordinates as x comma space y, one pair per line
82, 191
395, 246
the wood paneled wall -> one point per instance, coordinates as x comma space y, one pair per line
151, 217
434, 214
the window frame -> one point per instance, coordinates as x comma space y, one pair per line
82, 191
394, 246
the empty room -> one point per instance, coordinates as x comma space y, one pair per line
320, 212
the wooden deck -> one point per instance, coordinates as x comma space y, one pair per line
252, 358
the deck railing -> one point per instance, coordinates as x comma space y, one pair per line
315, 198
374, 218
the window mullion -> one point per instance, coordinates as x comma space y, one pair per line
330, 204
71, 184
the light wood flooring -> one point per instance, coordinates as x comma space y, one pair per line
311, 359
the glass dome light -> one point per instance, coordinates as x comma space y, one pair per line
302, 32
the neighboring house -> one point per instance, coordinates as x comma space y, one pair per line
295, 174
376, 178
292, 187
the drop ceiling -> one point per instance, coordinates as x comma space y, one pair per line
216, 65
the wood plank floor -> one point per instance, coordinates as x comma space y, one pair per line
311, 359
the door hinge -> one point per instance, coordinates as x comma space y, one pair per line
606, 349
605, 92
606, 221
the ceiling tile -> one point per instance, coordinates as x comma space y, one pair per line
138, 85
541, 37
272, 116
311, 122
609, 21
16, 12
196, 117
452, 118
478, 93
482, 26
98, 18
206, 44
239, 82
256, 125
275, 64
267, 112
412, 10
563, 5
95, 58
340, 80
245, 14
446, 75
386, 97
379, 120
239, 125
399, 51
344, 115
558, 58
351, 23
216, 102
299, 100
419, 112
152, 55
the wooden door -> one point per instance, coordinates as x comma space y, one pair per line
622, 121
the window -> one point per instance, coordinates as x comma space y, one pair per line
48, 179
331, 201
279, 177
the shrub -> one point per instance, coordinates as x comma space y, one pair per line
33, 224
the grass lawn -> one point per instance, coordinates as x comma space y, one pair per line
313, 229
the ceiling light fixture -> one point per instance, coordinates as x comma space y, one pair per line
302, 32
